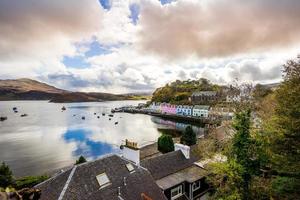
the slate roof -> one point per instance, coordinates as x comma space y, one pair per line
167, 164
201, 107
83, 183
190, 174
205, 93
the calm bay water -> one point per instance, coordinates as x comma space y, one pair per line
49, 139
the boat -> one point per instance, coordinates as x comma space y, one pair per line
3, 118
103, 114
111, 115
95, 113
15, 111
98, 117
63, 108
116, 123
15, 108
24, 115
83, 118
109, 119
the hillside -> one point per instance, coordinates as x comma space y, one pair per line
178, 92
26, 85
28, 89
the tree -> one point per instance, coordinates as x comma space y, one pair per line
6, 176
80, 160
165, 143
242, 149
188, 137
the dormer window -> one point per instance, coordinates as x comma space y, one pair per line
103, 180
130, 167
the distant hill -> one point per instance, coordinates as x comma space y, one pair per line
28, 89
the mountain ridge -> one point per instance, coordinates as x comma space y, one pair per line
29, 89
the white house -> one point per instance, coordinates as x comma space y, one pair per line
200, 111
155, 107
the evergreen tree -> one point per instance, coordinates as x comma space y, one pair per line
80, 160
188, 137
6, 176
165, 143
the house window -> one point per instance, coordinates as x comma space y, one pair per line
196, 185
103, 180
176, 192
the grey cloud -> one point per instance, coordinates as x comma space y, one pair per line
218, 28
35, 27
254, 71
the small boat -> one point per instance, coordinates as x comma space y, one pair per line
14, 108
83, 118
98, 117
95, 113
63, 108
24, 115
16, 111
111, 115
74, 115
116, 123
103, 114
3, 118
109, 119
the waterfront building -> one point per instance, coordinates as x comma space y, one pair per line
155, 107
204, 97
167, 108
200, 111
184, 110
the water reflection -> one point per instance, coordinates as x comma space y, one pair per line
179, 126
49, 139
85, 146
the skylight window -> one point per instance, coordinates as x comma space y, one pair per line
130, 167
103, 180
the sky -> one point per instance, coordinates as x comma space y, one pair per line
122, 46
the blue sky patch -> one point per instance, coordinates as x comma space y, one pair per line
75, 62
134, 12
163, 2
97, 49
106, 4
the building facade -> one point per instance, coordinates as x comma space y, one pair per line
167, 108
184, 110
204, 97
200, 111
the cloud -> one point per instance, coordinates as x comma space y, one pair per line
218, 28
39, 28
254, 70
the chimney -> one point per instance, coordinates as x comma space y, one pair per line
184, 149
131, 152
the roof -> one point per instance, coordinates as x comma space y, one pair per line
166, 164
204, 93
190, 174
201, 107
80, 182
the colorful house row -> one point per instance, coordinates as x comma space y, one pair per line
183, 110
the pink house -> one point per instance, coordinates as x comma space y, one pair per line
167, 108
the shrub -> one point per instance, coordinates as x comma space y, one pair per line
6, 176
165, 143
188, 137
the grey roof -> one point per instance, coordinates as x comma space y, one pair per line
190, 174
204, 93
202, 107
83, 184
167, 164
